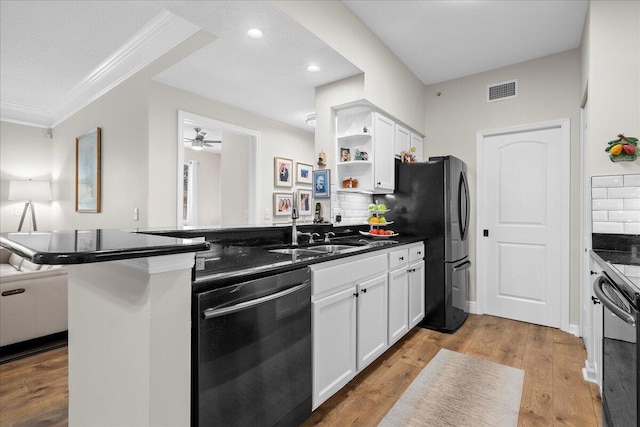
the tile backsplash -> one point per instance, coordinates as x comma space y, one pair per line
352, 207
615, 201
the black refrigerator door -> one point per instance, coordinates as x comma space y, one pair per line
457, 209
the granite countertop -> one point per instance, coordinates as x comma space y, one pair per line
227, 263
87, 246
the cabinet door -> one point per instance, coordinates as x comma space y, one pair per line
17, 312
372, 320
334, 343
416, 293
383, 146
398, 304
402, 139
416, 142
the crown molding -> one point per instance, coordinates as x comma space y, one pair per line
157, 37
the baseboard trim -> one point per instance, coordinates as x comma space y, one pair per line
589, 374
473, 307
574, 330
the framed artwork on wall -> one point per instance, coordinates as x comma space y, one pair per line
283, 171
88, 171
282, 204
322, 184
304, 173
305, 202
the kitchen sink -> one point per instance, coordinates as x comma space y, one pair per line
321, 249
332, 248
296, 251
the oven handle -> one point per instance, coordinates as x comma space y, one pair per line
217, 312
628, 318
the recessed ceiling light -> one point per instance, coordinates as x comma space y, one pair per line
313, 68
254, 33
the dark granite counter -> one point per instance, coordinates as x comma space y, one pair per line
617, 248
227, 263
87, 246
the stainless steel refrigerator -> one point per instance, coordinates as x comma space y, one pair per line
432, 200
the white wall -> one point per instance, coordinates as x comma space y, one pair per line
25, 153
276, 139
549, 88
122, 115
388, 83
613, 41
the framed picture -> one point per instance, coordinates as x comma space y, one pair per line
283, 170
282, 204
305, 202
322, 184
303, 173
88, 172
345, 155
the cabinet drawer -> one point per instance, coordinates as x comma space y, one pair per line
325, 279
398, 258
416, 253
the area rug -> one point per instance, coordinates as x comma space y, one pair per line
459, 390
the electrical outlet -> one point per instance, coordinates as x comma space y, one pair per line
17, 211
136, 214
267, 214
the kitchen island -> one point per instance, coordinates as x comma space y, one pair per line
129, 322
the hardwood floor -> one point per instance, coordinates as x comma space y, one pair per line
33, 391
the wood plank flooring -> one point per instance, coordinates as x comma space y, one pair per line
33, 391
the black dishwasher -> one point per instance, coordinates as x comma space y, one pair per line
252, 352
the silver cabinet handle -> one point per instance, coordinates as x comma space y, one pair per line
13, 292
217, 312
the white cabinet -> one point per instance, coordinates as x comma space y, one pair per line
372, 320
416, 143
334, 343
402, 140
398, 294
384, 174
349, 319
398, 304
416, 293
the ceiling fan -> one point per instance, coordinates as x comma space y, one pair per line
199, 142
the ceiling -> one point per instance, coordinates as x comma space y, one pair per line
57, 56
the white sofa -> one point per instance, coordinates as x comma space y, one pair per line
33, 302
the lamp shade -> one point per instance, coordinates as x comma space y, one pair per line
29, 190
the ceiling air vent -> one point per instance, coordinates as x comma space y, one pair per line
502, 91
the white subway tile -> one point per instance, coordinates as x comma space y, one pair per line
607, 204
632, 180
608, 227
632, 204
599, 193
624, 216
624, 193
607, 181
632, 228
600, 216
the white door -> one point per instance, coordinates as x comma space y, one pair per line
524, 224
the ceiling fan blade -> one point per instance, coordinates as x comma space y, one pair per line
208, 141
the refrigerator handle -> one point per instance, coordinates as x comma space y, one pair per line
463, 222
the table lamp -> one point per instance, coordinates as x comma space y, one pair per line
29, 190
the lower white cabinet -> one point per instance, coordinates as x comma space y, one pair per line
372, 320
398, 304
416, 293
334, 343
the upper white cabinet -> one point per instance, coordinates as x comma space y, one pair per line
403, 139
416, 144
384, 176
367, 143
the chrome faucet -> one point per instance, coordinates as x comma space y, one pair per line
326, 236
309, 235
294, 217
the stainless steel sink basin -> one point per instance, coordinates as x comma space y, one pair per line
329, 248
296, 251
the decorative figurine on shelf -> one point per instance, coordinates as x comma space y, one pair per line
623, 149
408, 156
322, 159
364, 155
357, 155
364, 130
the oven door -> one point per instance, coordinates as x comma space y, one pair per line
619, 356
